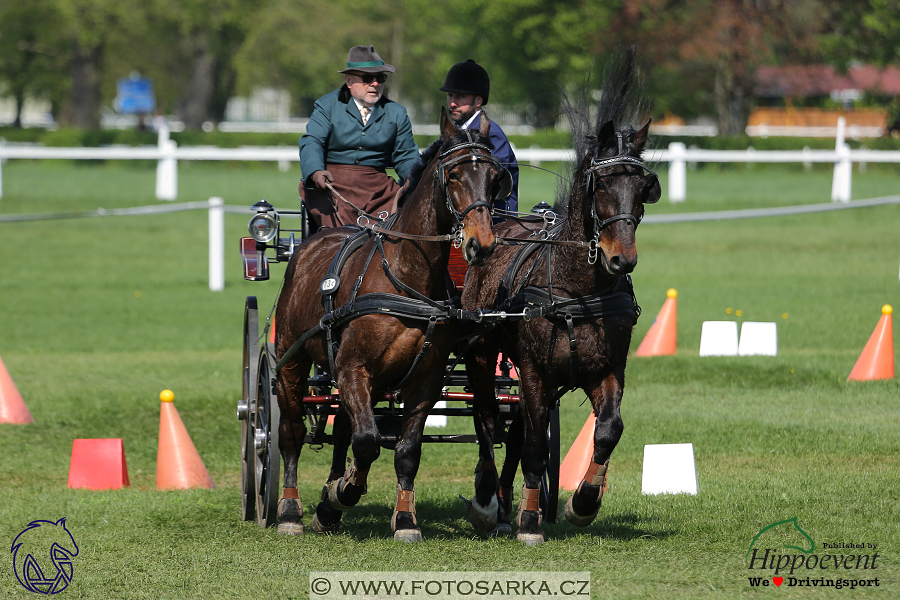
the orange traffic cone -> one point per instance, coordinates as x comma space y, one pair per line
98, 464
662, 336
579, 457
178, 465
877, 358
12, 407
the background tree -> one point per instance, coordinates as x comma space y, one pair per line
716, 46
30, 52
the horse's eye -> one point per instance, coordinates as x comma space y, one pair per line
452, 176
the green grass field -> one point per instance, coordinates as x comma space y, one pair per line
97, 316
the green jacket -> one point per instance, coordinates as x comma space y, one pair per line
335, 134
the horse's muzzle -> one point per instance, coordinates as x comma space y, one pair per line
476, 254
618, 264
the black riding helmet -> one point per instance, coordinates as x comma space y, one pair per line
468, 78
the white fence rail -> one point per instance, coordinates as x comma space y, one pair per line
167, 154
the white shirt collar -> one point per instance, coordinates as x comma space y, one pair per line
360, 105
468, 123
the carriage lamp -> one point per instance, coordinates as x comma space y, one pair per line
264, 224
263, 227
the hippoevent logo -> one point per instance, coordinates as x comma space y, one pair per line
782, 553
42, 556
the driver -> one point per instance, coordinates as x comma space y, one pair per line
354, 134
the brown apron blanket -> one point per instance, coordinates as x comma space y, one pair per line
369, 188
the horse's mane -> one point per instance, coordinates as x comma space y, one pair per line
427, 155
621, 100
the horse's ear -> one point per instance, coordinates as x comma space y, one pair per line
606, 135
448, 129
484, 129
640, 138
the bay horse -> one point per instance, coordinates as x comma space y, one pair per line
385, 347
573, 314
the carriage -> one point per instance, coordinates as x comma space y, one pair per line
273, 241
560, 293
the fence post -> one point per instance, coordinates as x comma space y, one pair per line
216, 244
166, 167
841, 184
677, 172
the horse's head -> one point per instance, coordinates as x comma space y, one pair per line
470, 178
618, 185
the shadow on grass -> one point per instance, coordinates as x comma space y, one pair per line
447, 520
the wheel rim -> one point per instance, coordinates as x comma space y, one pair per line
264, 440
247, 407
549, 497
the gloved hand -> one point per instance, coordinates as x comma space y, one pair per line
321, 177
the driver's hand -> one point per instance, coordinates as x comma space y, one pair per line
320, 178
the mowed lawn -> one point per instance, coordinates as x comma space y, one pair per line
98, 315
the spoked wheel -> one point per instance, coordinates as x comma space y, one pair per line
267, 457
549, 499
246, 406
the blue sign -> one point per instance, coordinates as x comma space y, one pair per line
135, 95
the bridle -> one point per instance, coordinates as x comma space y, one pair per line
445, 166
593, 172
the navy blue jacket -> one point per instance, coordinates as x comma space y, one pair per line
504, 153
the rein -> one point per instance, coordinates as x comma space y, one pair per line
416, 305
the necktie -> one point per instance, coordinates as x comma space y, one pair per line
365, 111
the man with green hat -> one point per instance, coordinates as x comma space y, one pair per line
468, 87
354, 134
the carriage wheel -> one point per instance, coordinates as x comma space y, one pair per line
549, 498
267, 457
248, 405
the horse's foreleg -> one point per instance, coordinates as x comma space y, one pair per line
535, 450
515, 438
408, 456
484, 508
291, 386
606, 398
356, 398
327, 518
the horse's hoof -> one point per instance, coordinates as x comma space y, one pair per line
484, 519
408, 535
574, 518
530, 539
501, 530
323, 529
334, 496
290, 528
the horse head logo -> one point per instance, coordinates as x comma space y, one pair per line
42, 556
788, 534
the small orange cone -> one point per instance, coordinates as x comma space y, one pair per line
98, 464
579, 457
12, 407
877, 358
662, 336
178, 465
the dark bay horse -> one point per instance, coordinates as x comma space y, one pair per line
575, 306
449, 197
